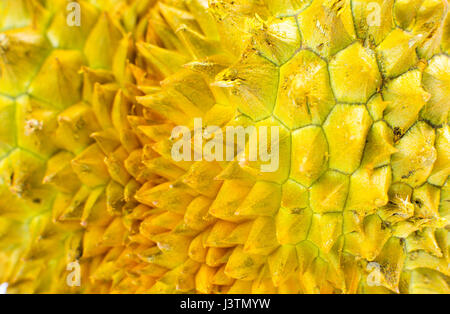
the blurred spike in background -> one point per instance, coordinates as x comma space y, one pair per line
360, 91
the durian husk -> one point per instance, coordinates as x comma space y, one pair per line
359, 203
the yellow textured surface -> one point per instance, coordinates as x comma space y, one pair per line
359, 203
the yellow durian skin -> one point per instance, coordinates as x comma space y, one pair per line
358, 204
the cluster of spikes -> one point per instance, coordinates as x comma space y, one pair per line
360, 202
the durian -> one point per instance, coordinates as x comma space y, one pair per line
359, 91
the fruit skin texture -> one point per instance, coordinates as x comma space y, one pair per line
359, 203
